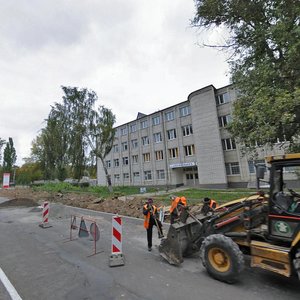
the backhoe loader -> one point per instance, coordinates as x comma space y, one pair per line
265, 226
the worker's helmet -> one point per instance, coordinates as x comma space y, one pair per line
172, 197
150, 201
206, 200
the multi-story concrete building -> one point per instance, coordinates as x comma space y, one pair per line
185, 144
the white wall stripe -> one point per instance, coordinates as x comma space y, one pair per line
9, 287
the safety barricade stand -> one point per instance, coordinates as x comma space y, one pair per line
93, 232
116, 257
45, 216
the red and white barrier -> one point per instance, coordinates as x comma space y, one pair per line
117, 257
45, 216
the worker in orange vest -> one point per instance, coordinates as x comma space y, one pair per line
208, 205
150, 220
176, 206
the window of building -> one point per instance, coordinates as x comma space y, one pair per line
159, 155
189, 150
157, 138
123, 130
108, 164
171, 134
189, 176
187, 130
224, 120
125, 160
147, 175
144, 124
160, 174
146, 157
115, 148
133, 127
222, 98
117, 177
232, 168
228, 144
170, 115
135, 159
252, 163
173, 152
145, 140
136, 176
124, 146
116, 162
126, 176
185, 111
134, 143
156, 120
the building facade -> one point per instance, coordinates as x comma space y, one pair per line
185, 144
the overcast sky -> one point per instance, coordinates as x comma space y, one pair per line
137, 55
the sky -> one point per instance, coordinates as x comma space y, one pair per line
137, 55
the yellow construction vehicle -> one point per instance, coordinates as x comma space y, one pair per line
265, 226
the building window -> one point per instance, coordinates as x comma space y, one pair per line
187, 130
117, 178
144, 124
252, 163
160, 174
108, 164
116, 162
189, 150
156, 120
189, 176
146, 157
171, 134
173, 152
145, 140
135, 159
228, 144
170, 115
159, 155
115, 148
133, 127
185, 111
224, 120
223, 98
125, 161
232, 168
136, 176
124, 146
157, 137
134, 144
125, 176
124, 131
148, 175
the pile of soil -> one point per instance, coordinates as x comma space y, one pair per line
128, 206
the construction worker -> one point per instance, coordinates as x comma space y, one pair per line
176, 205
151, 219
208, 205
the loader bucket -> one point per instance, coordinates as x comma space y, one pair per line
170, 247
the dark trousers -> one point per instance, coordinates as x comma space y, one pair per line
150, 230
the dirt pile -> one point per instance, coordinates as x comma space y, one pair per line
128, 206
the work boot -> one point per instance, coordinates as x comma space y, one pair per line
149, 248
160, 236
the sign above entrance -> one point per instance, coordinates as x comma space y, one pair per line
183, 165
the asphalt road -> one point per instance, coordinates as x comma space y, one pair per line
45, 264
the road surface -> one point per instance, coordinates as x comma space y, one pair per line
45, 264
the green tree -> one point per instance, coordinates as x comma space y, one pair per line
101, 135
264, 43
9, 156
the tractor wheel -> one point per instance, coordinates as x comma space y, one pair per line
222, 258
296, 262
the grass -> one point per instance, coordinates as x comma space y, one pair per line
193, 195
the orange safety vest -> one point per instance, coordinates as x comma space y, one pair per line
213, 204
183, 201
174, 204
147, 217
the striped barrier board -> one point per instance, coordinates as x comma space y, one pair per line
117, 257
